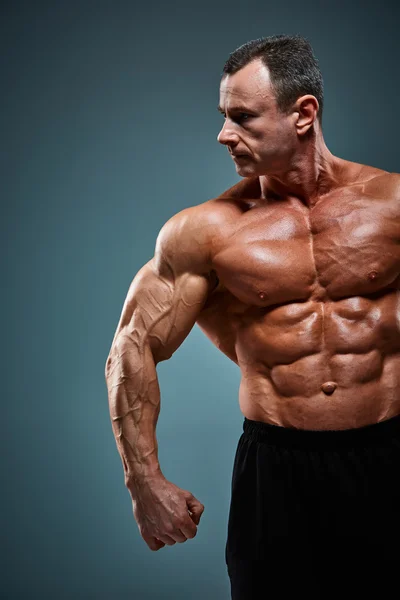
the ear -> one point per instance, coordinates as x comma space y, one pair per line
307, 108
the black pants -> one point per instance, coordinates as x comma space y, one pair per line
315, 512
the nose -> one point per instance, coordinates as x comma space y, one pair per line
227, 135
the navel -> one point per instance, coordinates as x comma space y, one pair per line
328, 387
372, 275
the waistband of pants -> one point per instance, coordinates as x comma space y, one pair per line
329, 438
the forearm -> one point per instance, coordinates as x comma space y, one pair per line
134, 403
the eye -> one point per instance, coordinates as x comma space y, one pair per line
242, 117
239, 117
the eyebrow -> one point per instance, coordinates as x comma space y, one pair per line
238, 108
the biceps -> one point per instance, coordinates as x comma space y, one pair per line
176, 314
160, 312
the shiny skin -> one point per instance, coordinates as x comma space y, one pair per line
308, 302
293, 273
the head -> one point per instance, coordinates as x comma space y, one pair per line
271, 96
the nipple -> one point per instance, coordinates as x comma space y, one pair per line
262, 295
372, 275
329, 387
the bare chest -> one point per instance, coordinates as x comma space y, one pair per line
285, 252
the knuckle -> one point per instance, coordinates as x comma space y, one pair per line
169, 530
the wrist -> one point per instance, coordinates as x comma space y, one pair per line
134, 481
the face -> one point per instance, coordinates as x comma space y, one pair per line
253, 124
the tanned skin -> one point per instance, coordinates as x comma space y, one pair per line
293, 273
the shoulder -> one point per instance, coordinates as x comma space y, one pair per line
184, 242
385, 186
195, 225
186, 239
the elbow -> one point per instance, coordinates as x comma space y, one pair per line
161, 356
107, 366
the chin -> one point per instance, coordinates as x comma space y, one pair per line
245, 170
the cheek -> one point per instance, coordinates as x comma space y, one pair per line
270, 134
281, 138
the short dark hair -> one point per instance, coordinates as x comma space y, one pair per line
293, 68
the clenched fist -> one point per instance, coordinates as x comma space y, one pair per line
165, 513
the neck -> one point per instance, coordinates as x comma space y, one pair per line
312, 172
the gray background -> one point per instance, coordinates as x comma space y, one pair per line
108, 128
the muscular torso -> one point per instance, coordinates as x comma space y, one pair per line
308, 301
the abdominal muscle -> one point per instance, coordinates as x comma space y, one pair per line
319, 365
348, 407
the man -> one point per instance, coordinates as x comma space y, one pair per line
294, 274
